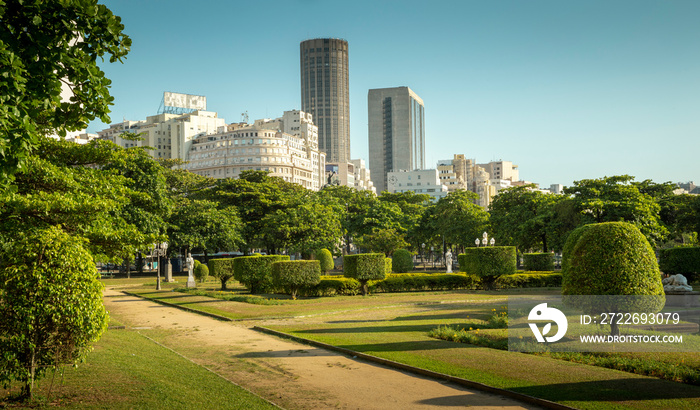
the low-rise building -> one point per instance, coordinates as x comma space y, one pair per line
420, 181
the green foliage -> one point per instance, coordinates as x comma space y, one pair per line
364, 267
292, 275
489, 262
529, 280
611, 258
221, 269
332, 286
683, 260
424, 281
388, 265
402, 261
201, 271
471, 336
539, 261
325, 258
202, 224
571, 241
50, 304
455, 216
385, 241
43, 45
522, 216
255, 272
618, 198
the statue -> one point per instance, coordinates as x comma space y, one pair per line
676, 283
448, 261
189, 261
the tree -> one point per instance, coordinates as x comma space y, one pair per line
325, 258
47, 46
293, 275
385, 241
458, 219
522, 216
364, 267
617, 198
352, 206
50, 304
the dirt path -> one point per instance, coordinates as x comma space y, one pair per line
293, 375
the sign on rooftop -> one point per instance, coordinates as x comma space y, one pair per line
176, 103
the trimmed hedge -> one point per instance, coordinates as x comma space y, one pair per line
529, 280
683, 260
402, 261
332, 286
489, 262
538, 261
201, 272
255, 272
292, 275
425, 281
613, 258
364, 267
221, 269
325, 258
388, 265
571, 240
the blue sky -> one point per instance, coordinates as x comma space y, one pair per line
566, 90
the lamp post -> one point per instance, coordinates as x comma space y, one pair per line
159, 249
421, 254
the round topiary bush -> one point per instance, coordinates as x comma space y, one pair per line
292, 275
569, 245
325, 258
364, 267
402, 261
489, 263
255, 272
201, 272
539, 261
612, 258
221, 269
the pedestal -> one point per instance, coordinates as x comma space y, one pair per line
167, 271
683, 299
191, 284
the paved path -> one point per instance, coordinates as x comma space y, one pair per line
293, 375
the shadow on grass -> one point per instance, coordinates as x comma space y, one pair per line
631, 389
407, 346
372, 329
288, 353
457, 315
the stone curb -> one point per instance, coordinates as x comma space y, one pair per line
422, 372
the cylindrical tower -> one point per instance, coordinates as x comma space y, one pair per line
325, 94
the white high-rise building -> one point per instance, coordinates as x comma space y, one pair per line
420, 181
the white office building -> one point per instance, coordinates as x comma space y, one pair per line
420, 181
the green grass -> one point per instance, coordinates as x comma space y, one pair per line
128, 371
396, 326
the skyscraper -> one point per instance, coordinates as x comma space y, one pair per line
325, 94
396, 132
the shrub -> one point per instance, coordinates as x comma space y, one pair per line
539, 261
201, 272
683, 260
613, 258
424, 281
364, 267
529, 280
402, 261
388, 265
569, 245
489, 263
255, 272
331, 286
292, 275
50, 304
221, 269
325, 258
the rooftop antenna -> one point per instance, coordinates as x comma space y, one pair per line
244, 117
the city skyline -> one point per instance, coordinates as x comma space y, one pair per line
566, 91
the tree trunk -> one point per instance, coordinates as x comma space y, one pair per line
139, 263
614, 327
364, 287
223, 284
544, 243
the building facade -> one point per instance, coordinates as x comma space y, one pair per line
396, 132
456, 173
502, 170
171, 135
263, 146
420, 181
325, 94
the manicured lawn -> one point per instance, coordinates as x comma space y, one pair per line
127, 371
395, 326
